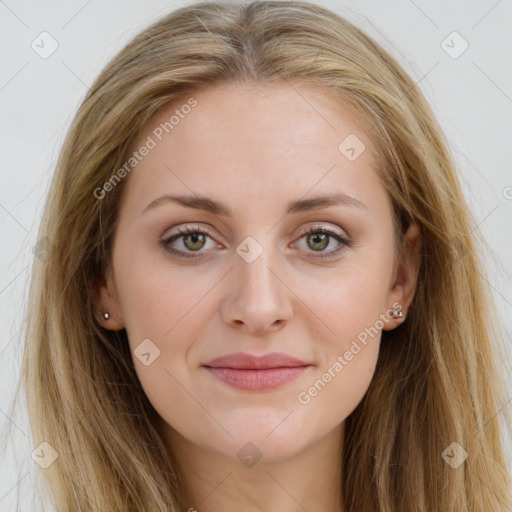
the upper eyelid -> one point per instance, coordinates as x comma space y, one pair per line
342, 240
183, 230
196, 228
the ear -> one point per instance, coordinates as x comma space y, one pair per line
405, 275
107, 302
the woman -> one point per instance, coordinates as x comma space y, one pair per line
262, 290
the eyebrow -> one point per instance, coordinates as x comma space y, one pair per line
218, 208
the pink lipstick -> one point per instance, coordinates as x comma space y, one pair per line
251, 373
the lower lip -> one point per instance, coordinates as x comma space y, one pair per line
257, 380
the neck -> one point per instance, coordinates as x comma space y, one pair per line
308, 480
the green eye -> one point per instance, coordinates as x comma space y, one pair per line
194, 239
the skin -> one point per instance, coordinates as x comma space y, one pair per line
256, 149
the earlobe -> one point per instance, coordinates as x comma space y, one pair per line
107, 306
406, 273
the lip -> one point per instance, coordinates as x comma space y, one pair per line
244, 361
256, 373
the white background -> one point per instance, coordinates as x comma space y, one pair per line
471, 96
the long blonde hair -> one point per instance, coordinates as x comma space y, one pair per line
437, 379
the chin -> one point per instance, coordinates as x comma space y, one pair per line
269, 442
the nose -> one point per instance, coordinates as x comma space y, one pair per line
258, 299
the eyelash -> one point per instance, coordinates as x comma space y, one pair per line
310, 231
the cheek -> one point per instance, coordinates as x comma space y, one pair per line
169, 306
351, 312
158, 297
352, 307
330, 398
347, 301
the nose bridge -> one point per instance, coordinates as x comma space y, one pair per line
257, 297
255, 268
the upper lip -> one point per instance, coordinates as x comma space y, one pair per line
243, 361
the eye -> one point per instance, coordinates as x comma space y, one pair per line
193, 240
318, 239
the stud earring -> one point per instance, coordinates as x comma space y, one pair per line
398, 313
106, 315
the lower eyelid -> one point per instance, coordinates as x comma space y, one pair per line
192, 254
166, 242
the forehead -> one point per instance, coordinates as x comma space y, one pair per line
279, 140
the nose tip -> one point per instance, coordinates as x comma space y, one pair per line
257, 299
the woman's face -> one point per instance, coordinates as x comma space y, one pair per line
255, 168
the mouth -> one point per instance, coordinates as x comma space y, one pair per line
251, 373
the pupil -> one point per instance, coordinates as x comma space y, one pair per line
194, 238
320, 238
